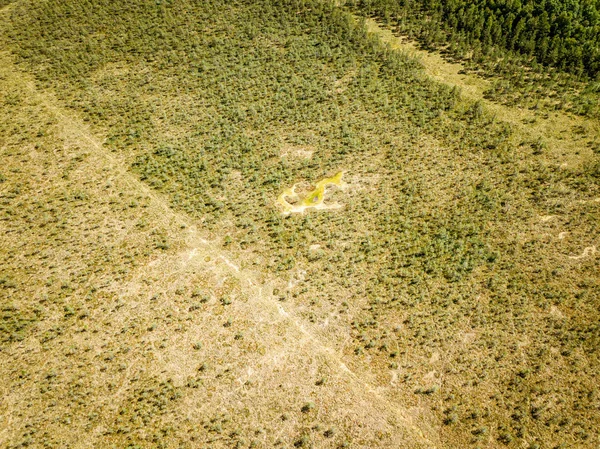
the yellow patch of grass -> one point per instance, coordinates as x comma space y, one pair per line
313, 199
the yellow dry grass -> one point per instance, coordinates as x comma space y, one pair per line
314, 199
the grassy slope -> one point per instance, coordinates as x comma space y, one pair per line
443, 275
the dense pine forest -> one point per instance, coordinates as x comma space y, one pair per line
522, 41
563, 34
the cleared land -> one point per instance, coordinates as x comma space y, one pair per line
154, 293
111, 333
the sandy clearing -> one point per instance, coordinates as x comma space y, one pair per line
314, 199
587, 252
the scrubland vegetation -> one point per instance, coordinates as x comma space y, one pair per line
460, 276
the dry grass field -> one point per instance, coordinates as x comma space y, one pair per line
155, 293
